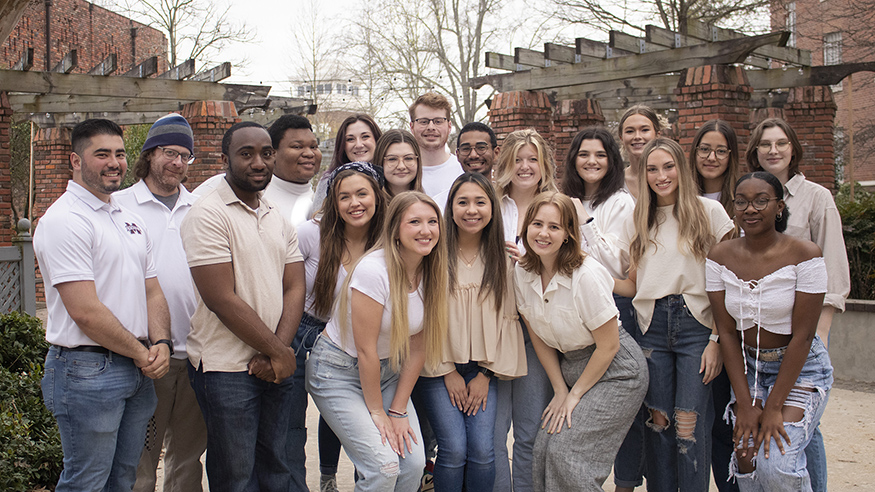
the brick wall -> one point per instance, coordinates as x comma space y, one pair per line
811, 112
5, 172
569, 117
93, 31
209, 121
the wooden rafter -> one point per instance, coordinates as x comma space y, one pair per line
180, 72
68, 63
105, 67
10, 13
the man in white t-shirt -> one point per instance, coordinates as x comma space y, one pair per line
297, 160
108, 321
161, 200
430, 124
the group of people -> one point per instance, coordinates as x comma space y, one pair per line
430, 302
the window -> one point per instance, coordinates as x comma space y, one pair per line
790, 23
832, 52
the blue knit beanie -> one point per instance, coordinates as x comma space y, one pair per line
170, 130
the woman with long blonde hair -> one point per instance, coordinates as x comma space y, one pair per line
390, 320
524, 168
671, 231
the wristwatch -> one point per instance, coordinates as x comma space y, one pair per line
167, 342
486, 372
714, 338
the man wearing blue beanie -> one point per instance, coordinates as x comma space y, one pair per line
161, 200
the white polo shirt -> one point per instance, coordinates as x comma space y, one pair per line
80, 237
173, 273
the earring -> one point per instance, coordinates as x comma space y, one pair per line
780, 216
566, 241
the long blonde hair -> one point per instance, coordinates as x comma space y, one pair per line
507, 160
694, 226
434, 279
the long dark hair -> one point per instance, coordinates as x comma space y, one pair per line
494, 280
340, 158
727, 190
574, 186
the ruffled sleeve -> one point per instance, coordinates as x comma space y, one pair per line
811, 276
713, 276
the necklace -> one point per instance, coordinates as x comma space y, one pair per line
467, 262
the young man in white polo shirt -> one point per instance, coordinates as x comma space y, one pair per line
249, 276
430, 124
161, 200
108, 321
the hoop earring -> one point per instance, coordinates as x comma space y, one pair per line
566, 241
780, 216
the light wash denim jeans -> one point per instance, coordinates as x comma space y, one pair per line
102, 403
787, 472
334, 384
673, 347
521, 402
247, 421
466, 443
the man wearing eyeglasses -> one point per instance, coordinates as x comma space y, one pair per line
161, 200
430, 124
476, 148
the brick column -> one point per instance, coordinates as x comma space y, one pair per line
811, 112
517, 110
51, 162
569, 117
6, 224
209, 121
713, 91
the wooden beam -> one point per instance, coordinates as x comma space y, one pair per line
560, 53
654, 85
106, 67
623, 41
144, 69
10, 13
597, 50
69, 120
625, 67
528, 58
25, 63
68, 63
182, 71
778, 78
90, 85
214, 74
664, 37
779, 52
59, 103
501, 62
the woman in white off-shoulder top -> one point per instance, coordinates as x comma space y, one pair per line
766, 290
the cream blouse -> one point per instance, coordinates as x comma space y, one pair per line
478, 332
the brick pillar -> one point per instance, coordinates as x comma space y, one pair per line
569, 117
811, 112
517, 110
6, 225
51, 162
713, 91
209, 121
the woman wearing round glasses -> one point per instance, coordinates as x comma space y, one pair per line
399, 156
775, 148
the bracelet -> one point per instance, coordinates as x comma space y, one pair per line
404, 416
714, 338
397, 414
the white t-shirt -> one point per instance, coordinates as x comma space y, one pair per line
173, 273
371, 278
437, 179
565, 314
308, 243
294, 200
510, 216
82, 238
601, 233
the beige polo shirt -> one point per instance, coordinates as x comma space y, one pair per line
258, 243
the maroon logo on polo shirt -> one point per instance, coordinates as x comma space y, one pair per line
133, 228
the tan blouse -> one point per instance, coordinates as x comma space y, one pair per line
477, 332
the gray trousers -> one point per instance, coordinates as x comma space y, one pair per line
580, 458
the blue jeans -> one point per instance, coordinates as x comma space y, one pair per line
520, 401
462, 439
815, 453
102, 403
722, 444
678, 455
788, 472
334, 384
629, 463
247, 422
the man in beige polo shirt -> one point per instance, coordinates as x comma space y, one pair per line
249, 275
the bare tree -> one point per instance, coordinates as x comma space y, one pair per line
196, 29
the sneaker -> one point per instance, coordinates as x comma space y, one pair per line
328, 483
427, 477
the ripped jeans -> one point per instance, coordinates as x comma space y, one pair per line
787, 472
334, 384
678, 456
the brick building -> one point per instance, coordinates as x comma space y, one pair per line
840, 31
93, 31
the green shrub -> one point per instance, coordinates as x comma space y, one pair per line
858, 222
31, 454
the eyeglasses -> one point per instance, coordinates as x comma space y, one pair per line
704, 152
393, 160
425, 121
172, 155
466, 149
759, 203
766, 147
